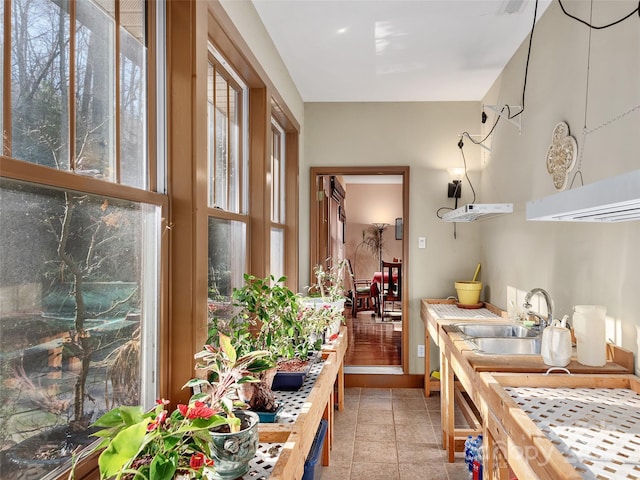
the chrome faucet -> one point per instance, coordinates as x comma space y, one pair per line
527, 298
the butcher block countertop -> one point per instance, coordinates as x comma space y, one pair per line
438, 315
619, 360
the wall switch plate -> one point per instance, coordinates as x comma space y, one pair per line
422, 242
420, 351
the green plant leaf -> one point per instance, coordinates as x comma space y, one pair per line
199, 396
195, 382
131, 414
227, 347
163, 468
124, 447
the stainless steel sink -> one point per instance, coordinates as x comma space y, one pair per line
495, 330
506, 345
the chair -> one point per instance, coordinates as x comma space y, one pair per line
392, 289
363, 298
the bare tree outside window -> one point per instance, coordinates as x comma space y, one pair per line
70, 303
78, 270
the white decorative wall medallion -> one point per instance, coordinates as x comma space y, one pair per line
561, 156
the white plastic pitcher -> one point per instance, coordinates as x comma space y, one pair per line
556, 344
589, 324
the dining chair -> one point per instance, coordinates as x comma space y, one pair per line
391, 285
363, 298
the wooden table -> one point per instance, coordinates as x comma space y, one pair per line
377, 278
590, 430
432, 324
459, 361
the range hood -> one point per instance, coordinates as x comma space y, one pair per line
474, 211
616, 199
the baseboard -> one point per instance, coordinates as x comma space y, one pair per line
383, 381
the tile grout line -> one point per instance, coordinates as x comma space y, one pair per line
398, 402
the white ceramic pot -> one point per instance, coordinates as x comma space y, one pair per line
232, 452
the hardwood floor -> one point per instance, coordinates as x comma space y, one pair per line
371, 342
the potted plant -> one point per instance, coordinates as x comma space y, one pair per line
205, 439
267, 318
329, 284
328, 293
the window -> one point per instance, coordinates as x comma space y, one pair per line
55, 57
227, 166
278, 191
278, 197
79, 252
227, 261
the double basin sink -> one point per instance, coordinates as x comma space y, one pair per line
501, 339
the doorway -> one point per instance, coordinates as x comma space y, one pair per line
360, 214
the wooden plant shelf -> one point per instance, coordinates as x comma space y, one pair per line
289, 440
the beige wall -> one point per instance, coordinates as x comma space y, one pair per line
246, 19
423, 136
366, 204
575, 263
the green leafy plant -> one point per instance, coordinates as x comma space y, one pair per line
316, 319
224, 372
160, 445
329, 280
267, 319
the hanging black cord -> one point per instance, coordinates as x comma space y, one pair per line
599, 27
526, 68
479, 142
524, 87
464, 161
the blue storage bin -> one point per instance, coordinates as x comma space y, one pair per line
313, 466
288, 381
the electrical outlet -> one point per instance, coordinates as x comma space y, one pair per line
420, 351
422, 242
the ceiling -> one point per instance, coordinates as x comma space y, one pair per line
396, 50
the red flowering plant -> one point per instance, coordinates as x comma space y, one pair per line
158, 445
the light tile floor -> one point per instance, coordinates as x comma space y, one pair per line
390, 434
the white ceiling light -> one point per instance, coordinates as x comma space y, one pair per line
475, 211
615, 199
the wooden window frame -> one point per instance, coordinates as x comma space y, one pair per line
20, 170
150, 182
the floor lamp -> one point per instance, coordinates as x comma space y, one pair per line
380, 227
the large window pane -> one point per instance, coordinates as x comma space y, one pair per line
222, 145
2, 129
226, 173
227, 262
95, 92
133, 108
278, 185
78, 296
40, 82
277, 252
234, 151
